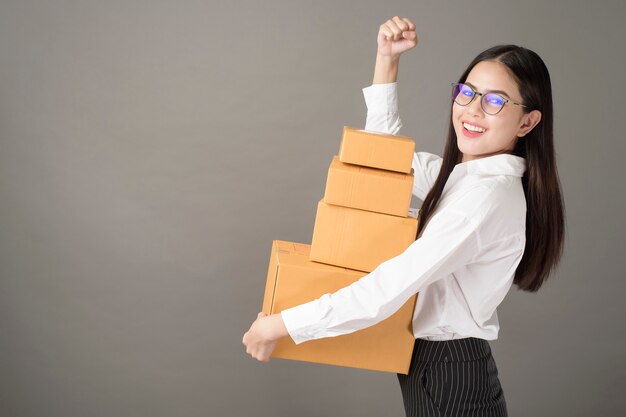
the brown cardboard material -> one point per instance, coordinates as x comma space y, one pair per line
369, 189
292, 279
359, 239
376, 150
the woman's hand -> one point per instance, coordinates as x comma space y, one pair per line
395, 36
260, 340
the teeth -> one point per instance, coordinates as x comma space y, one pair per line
473, 128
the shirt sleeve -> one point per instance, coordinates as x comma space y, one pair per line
382, 108
449, 242
426, 167
383, 117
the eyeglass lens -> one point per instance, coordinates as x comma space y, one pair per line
491, 103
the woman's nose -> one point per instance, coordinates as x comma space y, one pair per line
475, 106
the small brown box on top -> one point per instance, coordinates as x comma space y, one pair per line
377, 150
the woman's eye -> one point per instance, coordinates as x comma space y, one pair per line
468, 93
498, 101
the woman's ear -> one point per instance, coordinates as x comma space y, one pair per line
531, 119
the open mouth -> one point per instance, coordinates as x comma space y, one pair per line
472, 131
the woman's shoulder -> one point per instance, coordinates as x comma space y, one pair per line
502, 210
506, 193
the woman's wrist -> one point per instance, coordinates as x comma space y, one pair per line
386, 69
276, 329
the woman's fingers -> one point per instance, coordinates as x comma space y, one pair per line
406, 26
400, 23
394, 28
387, 33
260, 351
411, 25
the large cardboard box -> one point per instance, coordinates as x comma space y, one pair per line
376, 150
370, 189
359, 239
292, 279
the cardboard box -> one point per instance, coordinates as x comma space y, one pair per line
359, 239
370, 189
376, 150
292, 279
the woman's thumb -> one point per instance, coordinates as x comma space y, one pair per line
409, 34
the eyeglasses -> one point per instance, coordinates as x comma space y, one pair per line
491, 103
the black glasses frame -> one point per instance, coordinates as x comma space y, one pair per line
482, 95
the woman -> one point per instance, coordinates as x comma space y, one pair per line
492, 216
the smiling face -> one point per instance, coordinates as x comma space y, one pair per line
502, 130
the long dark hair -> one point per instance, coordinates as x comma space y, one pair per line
545, 216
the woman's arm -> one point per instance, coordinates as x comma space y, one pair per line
395, 36
386, 69
451, 240
382, 102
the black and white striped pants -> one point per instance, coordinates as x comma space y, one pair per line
452, 378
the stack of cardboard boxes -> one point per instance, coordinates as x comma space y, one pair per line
363, 220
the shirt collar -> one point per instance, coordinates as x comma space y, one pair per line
501, 164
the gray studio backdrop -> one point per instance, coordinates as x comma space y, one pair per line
150, 151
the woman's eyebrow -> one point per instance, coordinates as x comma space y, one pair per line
490, 91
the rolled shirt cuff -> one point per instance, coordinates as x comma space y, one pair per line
381, 98
302, 322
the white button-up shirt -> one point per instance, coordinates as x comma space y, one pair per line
463, 264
